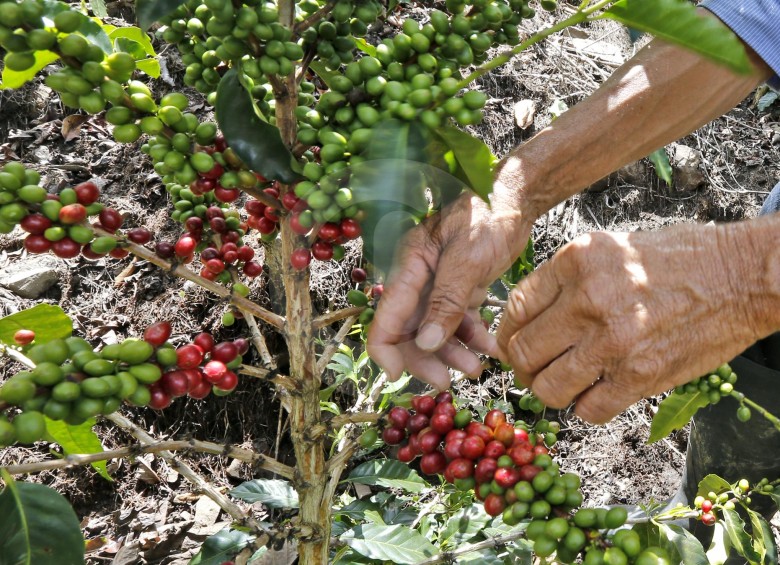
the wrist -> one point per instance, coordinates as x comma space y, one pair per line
751, 261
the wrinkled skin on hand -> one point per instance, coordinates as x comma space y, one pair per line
427, 319
616, 317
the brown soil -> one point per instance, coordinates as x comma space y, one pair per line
109, 301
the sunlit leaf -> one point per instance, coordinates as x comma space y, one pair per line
674, 412
663, 168
80, 439
678, 21
274, 493
399, 544
16, 79
47, 321
256, 142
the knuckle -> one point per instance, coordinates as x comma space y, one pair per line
550, 393
520, 355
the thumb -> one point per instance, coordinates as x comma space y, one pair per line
448, 301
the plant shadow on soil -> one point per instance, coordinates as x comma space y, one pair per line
150, 502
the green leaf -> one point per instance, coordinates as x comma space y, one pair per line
498, 290
150, 66
718, 551
763, 539
258, 143
136, 35
37, 526
464, 525
397, 386
390, 187
323, 72
499, 528
15, 79
473, 157
89, 28
365, 47
98, 8
149, 11
222, 546
678, 21
712, 483
356, 510
479, 557
740, 539
399, 544
688, 547
47, 321
387, 473
273, 493
675, 411
78, 440
663, 168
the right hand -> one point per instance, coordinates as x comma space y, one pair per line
429, 308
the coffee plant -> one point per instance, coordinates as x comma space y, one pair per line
324, 134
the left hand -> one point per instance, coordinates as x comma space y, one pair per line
615, 317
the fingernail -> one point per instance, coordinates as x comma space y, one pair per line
430, 338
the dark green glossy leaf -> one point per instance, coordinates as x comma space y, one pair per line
678, 21
387, 473
258, 143
740, 540
399, 544
356, 509
675, 411
149, 11
37, 526
79, 439
473, 157
47, 321
688, 547
663, 168
222, 546
767, 100
16, 79
89, 28
273, 493
390, 187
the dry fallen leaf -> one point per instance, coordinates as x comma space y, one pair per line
524, 113
71, 126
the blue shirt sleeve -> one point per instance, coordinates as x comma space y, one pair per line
757, 23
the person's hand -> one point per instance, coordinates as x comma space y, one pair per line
616, 317
427, 319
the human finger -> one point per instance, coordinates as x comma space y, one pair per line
530, 297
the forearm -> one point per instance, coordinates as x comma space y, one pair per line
750, 262
660, 95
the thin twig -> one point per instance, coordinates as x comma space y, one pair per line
333, 346
181, 271
187, 472
257, 460
332, 317
313, 19
257, 337
448, 556
266, 374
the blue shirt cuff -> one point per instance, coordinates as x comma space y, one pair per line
757, 23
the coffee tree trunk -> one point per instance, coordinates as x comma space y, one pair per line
311, 476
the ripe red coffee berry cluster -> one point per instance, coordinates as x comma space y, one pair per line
195, 369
